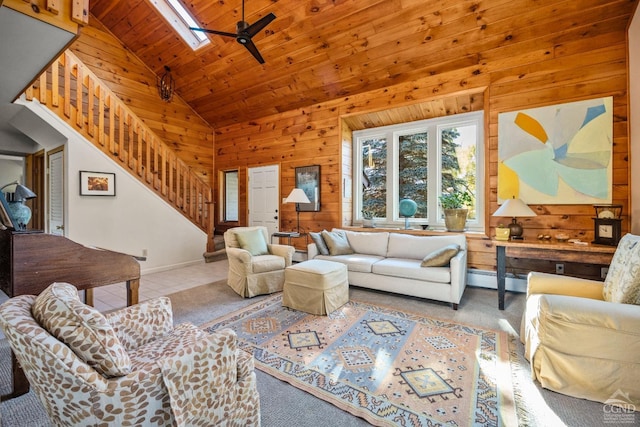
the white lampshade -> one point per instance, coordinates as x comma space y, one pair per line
297, 196
514, 208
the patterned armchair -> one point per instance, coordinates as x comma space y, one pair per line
256, 267
130, 367
581, 336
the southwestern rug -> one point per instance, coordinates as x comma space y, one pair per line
386, 366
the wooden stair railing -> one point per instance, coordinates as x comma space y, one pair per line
77, 96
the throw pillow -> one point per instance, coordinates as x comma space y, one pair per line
622, 284
440, 257
320, 244
81, 327
253, 241
337, 242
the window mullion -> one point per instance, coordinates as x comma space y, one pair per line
434, 174
393, 180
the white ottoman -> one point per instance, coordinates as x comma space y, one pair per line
315, 286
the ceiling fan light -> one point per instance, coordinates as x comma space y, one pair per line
166, 85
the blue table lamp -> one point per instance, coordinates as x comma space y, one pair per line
20, 212
408, 208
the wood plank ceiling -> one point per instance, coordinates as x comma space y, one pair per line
318, 50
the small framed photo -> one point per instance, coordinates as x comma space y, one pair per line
308, 179
97, 183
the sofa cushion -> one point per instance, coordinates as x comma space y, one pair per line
368, 243
337, 242
82, 328
622, 284
252, 241
411, 269
355, 262
417, 247
320, 244
266, 263
440, 257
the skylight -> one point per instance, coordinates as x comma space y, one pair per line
178, 17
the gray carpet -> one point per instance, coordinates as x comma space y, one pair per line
284, 405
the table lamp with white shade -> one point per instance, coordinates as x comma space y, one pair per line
514, 208
297, 196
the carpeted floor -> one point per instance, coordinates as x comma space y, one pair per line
284, 405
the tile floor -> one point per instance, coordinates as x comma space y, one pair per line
107, 298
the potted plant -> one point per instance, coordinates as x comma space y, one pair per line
454, 204
367, 218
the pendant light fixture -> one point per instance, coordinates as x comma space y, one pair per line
166, 85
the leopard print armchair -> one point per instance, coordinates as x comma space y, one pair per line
130, 367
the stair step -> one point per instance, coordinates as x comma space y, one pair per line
218, 242
215, 256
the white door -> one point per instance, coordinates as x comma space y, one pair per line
55, 201
263, 197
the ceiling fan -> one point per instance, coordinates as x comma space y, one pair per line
244, 32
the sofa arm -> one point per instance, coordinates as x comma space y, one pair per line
285, 251
241, 255
240, 261
312, 250
545, 283
582, 326
141, 323
458, 269
198, 376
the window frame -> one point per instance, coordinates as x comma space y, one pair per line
433, 127
180, 21
224, 196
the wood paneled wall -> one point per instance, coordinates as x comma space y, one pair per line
567, 65
175, 122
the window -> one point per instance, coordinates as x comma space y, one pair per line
420, 161
178, 17
230, 196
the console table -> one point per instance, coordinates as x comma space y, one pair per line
567, 252
286, 234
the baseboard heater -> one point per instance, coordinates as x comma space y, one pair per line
488, 279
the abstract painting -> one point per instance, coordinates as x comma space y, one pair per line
560, 154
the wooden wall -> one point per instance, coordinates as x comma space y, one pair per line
569, 64
175, 122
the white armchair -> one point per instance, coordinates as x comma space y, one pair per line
581, 336
256, 266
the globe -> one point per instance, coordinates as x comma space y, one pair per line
408, 208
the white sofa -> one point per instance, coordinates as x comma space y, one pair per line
391, 262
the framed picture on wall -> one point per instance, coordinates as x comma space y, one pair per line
557, 154
97, 183
308, 179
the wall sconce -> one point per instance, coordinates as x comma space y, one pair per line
515, 208
19, 211
166, 85
297, 196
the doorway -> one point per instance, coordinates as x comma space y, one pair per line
55, 163
264, 197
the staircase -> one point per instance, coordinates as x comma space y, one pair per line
77, 96
219, 252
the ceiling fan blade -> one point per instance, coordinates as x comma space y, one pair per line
255, 28
220, 33
253, 49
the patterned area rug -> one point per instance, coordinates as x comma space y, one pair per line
386, 366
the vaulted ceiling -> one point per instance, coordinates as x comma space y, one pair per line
318, 50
